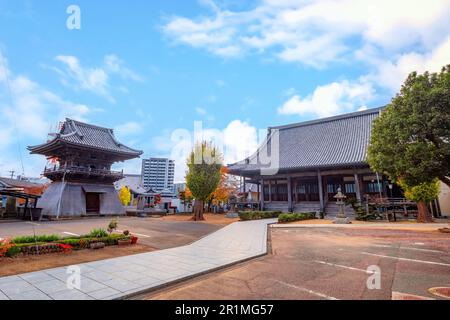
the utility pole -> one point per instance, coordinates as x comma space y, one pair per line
12, 173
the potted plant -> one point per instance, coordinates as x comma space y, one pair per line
112, 226
124, 242
134, 239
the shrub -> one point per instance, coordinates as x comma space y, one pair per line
111, 240
34, 239
39, 248
76, 244
83, 243
112, 225
98, 233
256, 215
290, 217
4, 247
13, 251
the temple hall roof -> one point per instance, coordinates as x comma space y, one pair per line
325, 143
81, 134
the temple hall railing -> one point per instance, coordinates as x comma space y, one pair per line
82, 170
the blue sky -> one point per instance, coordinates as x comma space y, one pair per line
149, 68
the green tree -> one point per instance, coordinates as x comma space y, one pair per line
422, 193
410, 140
203, 175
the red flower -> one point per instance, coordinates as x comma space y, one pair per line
134, 239
66, 247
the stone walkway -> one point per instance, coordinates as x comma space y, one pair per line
122, 277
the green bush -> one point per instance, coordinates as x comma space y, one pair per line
256, 215
13, 251
98, 233
290, 217
33, 239
84, 242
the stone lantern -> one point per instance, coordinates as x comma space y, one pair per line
341, 218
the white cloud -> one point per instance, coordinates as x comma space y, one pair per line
317, 32
115, 65
240, 141
330, 99
201, 111
91, 79
96, 79
128, 129
28, 115
391, 74
237, 140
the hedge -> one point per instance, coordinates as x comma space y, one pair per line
256, 215
290, 217
83, 243
34, 239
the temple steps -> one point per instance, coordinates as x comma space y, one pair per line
332, 209
276, 206
307, 207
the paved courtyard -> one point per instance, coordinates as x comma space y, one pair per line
121, 277
326, 262
154, 232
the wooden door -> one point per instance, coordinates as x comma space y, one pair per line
92, 202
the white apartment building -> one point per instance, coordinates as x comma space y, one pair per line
158, 173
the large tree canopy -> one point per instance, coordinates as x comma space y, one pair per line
204, 174
411, 138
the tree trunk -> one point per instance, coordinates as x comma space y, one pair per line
424, 214
198, 211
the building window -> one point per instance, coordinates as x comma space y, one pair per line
350, 188
373, 187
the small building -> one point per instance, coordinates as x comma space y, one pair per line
134, 183
444, 200
129, 180
301, 166
81, 156
9, 204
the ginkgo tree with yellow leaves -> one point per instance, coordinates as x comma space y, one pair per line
125, 195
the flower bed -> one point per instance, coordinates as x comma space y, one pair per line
55, 244
291, 217
256, 215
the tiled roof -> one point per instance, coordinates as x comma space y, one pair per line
14, 183
88, 135
324, 143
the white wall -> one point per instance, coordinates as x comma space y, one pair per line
444, 199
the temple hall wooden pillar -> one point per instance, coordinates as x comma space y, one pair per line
325, 186
261, 198
319, 179
289, 191
270, 190
357, 188
295, 191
